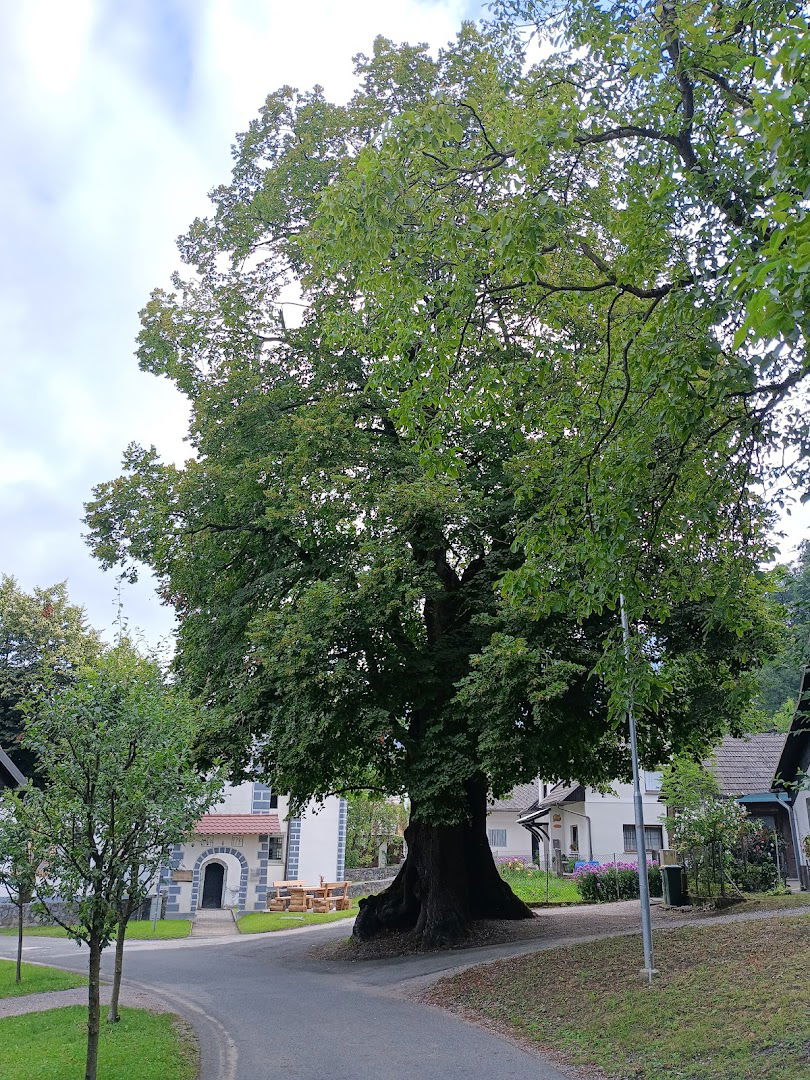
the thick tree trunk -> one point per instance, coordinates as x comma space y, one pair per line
93, 1010
449, 879
18, 974
112, 1015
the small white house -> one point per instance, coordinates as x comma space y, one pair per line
507, 838
247, 842
578, 822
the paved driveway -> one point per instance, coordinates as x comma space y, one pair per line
264, 1007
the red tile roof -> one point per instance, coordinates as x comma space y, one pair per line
238, 825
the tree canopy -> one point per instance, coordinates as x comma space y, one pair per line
397, 553
43, 639
615, 217
780, 678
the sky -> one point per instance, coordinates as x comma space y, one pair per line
116, 118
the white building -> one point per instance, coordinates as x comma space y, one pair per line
507, 838
578, 822
246, 843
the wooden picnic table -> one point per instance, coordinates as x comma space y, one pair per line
303, 897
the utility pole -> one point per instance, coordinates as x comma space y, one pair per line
638, 813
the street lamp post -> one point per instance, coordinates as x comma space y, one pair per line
638, 813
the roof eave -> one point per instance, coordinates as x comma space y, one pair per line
19, 778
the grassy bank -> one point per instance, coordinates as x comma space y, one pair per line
149, 1046
35, 980
264, 921
729, 1003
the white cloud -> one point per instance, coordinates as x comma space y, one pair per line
118, 119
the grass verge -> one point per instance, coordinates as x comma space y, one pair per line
51, 1046
35, 980
530, 886
769, 902
264, 921
730, 1002
137, 930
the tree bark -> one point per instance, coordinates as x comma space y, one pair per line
93, 1010
113, 1016
18, 973
448, 880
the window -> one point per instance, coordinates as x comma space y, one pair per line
575, 837
274, 854
497, 837
653, 782
273, 801
653, 837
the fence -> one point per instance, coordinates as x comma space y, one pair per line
754, 864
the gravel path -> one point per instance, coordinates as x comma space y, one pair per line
56, 999
550, 927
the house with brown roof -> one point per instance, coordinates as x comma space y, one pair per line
745, 769
246, 843
577, 823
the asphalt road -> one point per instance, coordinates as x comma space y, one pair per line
264, 1007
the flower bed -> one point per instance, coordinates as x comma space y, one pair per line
614, 881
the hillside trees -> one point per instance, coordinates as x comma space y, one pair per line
368, 474
781, 677
43, 639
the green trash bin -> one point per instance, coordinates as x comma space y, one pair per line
673, 886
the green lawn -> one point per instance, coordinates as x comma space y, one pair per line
530, 886
165, 930
51, 1046
264, 921
730, 1002
35, 980
137, 930
769, 902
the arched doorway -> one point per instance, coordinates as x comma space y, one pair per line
213, 881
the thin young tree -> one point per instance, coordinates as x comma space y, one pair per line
20, 859
118, 790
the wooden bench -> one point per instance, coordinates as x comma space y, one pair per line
331, 894
281, 900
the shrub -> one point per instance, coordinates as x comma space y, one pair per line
704, 836
753, 860
512, 865
756, 878
614, 881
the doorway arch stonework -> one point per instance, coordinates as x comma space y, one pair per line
211, 854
